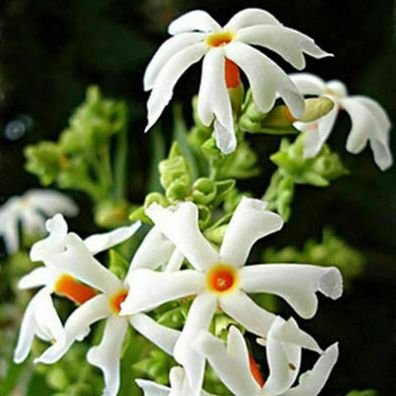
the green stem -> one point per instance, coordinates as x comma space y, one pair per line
121, 160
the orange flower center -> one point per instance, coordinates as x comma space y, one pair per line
232, 75
117, 299
288, 115
72, 289
222, 278
254, 369
220, 39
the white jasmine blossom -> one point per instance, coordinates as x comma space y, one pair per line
179, 385
74, 256
370, 123
233, 366
220, 280
31, 210
41, 318
197, 35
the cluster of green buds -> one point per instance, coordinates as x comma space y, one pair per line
82, 158
332, 250
178, 184
294, 168
317, 171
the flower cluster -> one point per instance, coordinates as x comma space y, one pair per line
197, 253
218, 281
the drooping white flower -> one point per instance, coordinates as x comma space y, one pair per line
220, 280
31, 209
74, 256
232, 365
179, 385
370, 123
41, 318
226, 49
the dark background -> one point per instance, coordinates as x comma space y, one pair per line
51, 50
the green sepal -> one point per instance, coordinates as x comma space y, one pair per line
223, 188
118, 265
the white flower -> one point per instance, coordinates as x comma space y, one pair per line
220, 280
179, 385
197, 35
74, 256
31, 209
41, 318
283, 352
370, 123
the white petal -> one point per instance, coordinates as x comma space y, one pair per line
51, 202
107, 354
369, 119
283, 359
233, 371
290, 332
214, 100
180, 225
382, 154
246, 312
194, 20
290, 44
77, 327
54, 243
167, 78
164, 337
199, 318
165, 52
37, 277
40, 319
99, 242
249, 223
316, 138
175, 262
296, 283
312, 382
250, 17
266, 78
308, 84
150, 388
9, 230
77, 260
336, 88
154, 251
149, 289
32, 221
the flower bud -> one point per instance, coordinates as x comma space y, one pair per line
204, 191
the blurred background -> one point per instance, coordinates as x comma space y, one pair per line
51, 51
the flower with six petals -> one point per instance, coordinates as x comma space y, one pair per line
197, 35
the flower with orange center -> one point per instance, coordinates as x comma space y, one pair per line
370, 122
57, 276
225, 50
220, 279
79, 273
235, 367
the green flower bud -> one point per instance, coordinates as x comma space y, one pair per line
155, 197
109, 214
204, 191
179, 189
279, 120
